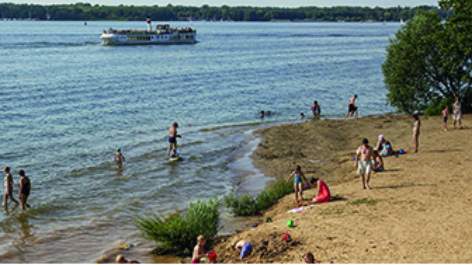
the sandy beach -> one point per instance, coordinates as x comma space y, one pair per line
418, 210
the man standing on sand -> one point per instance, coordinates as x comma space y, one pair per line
364, 164
173, 138
352, 106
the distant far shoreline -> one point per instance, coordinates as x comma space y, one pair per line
89, 12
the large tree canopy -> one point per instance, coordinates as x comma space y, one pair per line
429, 58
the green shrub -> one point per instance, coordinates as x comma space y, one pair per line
437, 105
246, 205
177, 233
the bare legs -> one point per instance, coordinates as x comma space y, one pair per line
8, 194
416, 142
364, 182
23, 201
298, 188
172, 146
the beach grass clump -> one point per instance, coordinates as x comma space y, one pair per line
247, 205
363, 201
176, 233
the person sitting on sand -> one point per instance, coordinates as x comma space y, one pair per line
297, 183
323, 194
352, 109
243, 247
261, 115
121, 259
302, 116
119, 158
382, 143
8, 183
308, 258
364, 165
199, 251
377, 162
445, 113
316, 109
173, 138
416, 132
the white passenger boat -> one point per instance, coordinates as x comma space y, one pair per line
163, 34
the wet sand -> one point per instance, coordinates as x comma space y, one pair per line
418, 210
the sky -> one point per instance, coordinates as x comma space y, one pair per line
261, 3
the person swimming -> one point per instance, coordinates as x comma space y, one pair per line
302, 115
261, 114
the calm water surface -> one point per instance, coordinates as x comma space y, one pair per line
68, 103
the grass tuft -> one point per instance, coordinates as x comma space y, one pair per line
363, 201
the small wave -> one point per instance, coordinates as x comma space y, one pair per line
46, 44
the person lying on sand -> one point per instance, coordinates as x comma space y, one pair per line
308, 258
297, 182
199, 251
377, 162
121, 259
364, 165
243, 247
323, 194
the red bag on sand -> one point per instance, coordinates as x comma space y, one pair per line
286, 236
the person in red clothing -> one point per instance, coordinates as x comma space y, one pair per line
323, 194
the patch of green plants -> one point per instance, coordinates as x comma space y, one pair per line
437, 105
177, 233
363, 201
247, 205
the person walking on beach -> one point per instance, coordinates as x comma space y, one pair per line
445, 113
315, 108
297, 184
25, 188
457, 113
119, 158
416, 132
352, 109
173, 138
8, 183
364, 164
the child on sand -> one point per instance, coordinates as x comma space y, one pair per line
173, 138
8, 183
297, 182
244, 248
377, 162
323, 194
308, 258
121, 259
199, 251
445, 112
25, 188
119, 158
416, 131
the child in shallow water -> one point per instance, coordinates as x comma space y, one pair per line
119, 158
199, 251
297, 184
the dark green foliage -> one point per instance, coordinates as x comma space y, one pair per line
437, 105
85, 11
247, 205
178, 233
429, 59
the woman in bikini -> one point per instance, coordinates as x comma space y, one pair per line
8, 183
416, 131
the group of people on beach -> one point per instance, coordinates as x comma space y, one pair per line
456, 114
24, 184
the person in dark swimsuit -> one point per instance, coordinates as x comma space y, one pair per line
8, 183
25, 188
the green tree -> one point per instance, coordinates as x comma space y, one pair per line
422, 64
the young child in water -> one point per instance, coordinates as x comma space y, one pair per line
119, 158
302, 116
199, 251
297, 184
261, 114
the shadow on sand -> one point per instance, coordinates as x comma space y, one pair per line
404, 186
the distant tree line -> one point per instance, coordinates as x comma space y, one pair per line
86, 11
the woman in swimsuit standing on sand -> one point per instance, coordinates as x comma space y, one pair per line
416, 131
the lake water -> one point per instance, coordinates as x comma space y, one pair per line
67, 103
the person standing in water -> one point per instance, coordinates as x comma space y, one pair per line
119, 158
315, 108
173, 138
416, 132
364, 164
352, 109
297, 184
8, 183
457, 113
25, 188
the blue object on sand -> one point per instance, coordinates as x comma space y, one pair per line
401, 151
354, 159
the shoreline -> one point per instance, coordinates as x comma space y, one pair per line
281, 149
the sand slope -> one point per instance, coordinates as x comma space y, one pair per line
419, 210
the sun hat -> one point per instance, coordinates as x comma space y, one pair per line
381, 137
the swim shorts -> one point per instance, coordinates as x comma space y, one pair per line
247, 250
352, 108
457, 115
445, 119
172, 140
364, 167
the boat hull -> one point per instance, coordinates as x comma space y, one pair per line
112, 39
